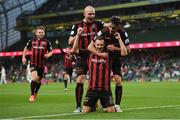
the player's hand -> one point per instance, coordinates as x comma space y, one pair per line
46, 56
79, 31
117, 36
103, 55
56, 42
111, 47
24, 60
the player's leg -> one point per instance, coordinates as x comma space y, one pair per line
79, 91
81, 70
66, 78
116, 68
35, 83
90, 101
118, 92
107, 101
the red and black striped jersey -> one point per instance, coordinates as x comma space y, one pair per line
100, 70
90, 30
110, 39
68, 60
68, 57
38, 47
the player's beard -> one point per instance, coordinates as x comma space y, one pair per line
91, 19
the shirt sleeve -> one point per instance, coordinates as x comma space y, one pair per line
49, 46
125, 38
29, 44
73, 30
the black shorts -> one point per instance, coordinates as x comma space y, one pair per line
81, 65
116, 64
92, 97
40, 71
68, 71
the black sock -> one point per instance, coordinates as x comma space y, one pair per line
38, 85
33, 86
79, 94
65, 83
118, 94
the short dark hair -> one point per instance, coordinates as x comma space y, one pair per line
101, 37
116, 20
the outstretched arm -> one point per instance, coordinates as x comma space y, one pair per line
59, 46
24, 56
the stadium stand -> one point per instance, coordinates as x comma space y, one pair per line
149, 22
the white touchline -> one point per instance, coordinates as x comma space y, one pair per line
66, 114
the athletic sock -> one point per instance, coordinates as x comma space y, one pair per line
33, 86
38, 85
118, 94
79, 93
65, 83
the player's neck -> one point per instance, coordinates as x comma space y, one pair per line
86, 21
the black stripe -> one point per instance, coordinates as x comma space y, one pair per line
42, 56
88, 33
109, 73
34, 52
83, 37
103, 76
97, 72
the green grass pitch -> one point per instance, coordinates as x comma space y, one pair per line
148, 100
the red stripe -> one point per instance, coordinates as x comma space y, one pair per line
94, 74
36, 52
89, 65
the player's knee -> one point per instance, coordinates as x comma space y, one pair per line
80, 78
118, 79
66, 77
110, 109
86, 109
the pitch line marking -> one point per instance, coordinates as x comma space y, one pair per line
66, 114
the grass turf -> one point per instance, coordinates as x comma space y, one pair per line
149, 100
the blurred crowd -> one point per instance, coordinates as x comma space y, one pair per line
139, 66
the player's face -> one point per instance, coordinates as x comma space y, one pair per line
89, 15
113, 28
40, 33
99, 44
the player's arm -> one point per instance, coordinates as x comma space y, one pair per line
123, 49
73, 35
71, 40
49, 50
59, 46
76, 41
28, 46
24, 56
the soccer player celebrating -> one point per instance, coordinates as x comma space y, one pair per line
41, 50
68, 61
117, 42
99, 85
84, 31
